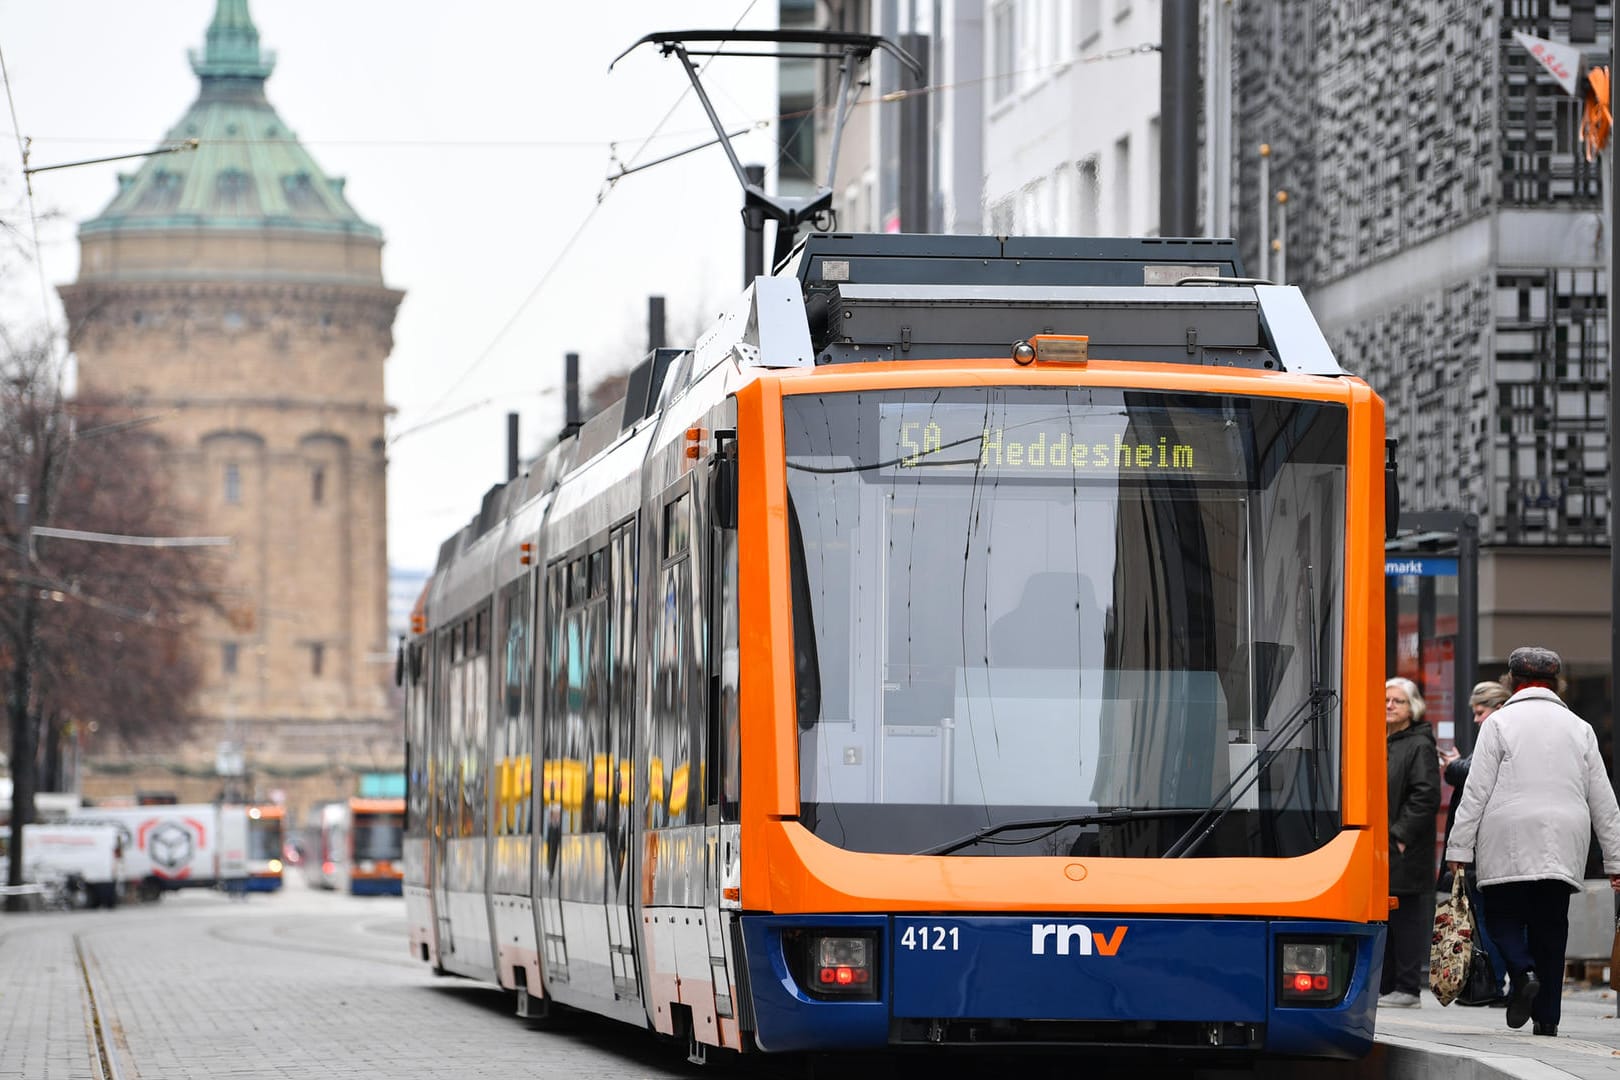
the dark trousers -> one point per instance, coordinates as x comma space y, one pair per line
1529, 922
1476, 900
1406, 947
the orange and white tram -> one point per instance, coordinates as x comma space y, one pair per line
969, 639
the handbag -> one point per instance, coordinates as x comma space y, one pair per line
1451, 948
1483, 985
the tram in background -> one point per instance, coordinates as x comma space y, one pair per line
266, 827
359, 847
375, 855
970, 640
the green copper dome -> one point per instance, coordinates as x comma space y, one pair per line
248, 172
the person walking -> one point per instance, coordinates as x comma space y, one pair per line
1536, 791
1414, 799
1485, 699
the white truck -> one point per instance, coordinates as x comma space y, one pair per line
178, 846
80, 865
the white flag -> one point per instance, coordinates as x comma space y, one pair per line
1562, 61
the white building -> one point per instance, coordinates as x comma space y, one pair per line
1044, 117
1071, 143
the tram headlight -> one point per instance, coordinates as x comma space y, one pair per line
1313, 971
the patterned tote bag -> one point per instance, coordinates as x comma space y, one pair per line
1452, 946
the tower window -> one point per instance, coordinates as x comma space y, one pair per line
317, 658
227, 659
317, 485
233, 483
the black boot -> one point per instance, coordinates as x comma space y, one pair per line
1519, 999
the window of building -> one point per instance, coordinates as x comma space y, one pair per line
1121, 183
317, 659
1090, 23
1153, 178
233, 483
1004, 46
317, 485
227, 658
234, 194
1086, 198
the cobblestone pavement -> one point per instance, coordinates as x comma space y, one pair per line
296, 984
311, 984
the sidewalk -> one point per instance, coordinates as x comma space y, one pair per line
1477, 1044
45, 1031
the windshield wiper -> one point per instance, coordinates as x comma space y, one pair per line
1051, 825
1310, 710
1313, 710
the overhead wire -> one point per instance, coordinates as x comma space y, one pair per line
28, 188
562, 254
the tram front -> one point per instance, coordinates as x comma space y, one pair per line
1046, 740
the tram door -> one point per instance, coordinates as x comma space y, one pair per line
622, 892
723, 835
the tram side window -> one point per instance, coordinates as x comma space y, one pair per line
553, 718
511, 792
575, 751
622, 640
598, 660
418, 766
454, 719
727, 735
469, 722
674, 780
439, 772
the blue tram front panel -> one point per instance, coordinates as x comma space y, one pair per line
1199, 983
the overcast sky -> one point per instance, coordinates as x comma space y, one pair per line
477, 136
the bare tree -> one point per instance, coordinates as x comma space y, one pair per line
90, 633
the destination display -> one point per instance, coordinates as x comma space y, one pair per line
1033, 440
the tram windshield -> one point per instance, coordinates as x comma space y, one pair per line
379, 836
1067, 621
264, 838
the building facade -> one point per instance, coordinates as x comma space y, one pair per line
1448, 231
234, 294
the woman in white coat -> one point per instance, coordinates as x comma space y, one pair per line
1535, 793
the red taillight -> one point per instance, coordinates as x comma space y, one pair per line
841, 965
1314, 971
844, 976
328, 867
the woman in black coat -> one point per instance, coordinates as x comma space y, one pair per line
1414, 800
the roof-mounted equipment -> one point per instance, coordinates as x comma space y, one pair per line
788, 211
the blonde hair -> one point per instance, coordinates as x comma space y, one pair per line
1413, 697
1492, 695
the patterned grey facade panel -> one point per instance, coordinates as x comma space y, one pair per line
1542, 160
1391, 124
1380, 116
1549, 416
1428, 358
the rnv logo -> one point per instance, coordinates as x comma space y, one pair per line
1079, 934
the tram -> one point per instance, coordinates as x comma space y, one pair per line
360, 847
266, 836
969, 640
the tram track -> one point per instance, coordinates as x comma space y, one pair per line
284, 936
111, 1052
